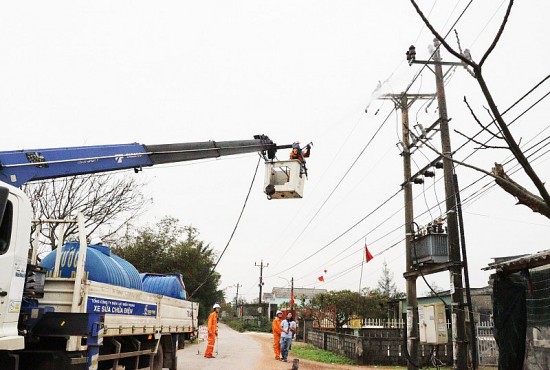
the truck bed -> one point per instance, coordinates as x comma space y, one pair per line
127, 311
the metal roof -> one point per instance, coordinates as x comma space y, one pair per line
517, 263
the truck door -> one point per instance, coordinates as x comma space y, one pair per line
14, 238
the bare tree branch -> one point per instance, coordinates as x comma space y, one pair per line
523, 195
441, 39
484, 128
507, 135
507, 184
499, 33
481, 145
107, 202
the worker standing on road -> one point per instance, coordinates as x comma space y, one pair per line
212, 331
288, 328
276, 329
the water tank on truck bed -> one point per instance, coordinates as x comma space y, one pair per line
170, 285
101, 265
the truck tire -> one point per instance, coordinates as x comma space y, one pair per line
158, 361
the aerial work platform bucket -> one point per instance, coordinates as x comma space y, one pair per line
283, 179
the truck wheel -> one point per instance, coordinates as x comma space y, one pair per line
159, 358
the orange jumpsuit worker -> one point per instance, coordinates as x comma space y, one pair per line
299, 153
276, 329
212, 331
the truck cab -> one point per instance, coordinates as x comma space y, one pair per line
15, 228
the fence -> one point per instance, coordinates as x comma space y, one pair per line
380, 346
381, 342
487, 350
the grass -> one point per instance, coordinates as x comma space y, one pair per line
309, 352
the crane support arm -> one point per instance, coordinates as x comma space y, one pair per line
21, 166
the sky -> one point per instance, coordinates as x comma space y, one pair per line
101, 72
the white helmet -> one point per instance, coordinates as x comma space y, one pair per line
216, 306
278, 312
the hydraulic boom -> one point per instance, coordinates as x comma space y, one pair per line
21, 166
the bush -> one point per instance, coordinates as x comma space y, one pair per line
259, 324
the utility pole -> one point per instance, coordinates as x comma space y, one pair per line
237, 299
454, 265
292, 295
403, 102
261, 284
460, 347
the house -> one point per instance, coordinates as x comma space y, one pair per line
281, 296
521, 300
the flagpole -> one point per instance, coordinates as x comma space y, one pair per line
362, 263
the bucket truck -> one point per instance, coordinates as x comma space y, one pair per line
51, 319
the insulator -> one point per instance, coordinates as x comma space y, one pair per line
429, 173
418, 180
439, 165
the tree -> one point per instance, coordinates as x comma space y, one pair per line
538, 203
109, 204
345, 304
434, 291
386, 286
170, 248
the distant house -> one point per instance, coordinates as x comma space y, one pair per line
281, 296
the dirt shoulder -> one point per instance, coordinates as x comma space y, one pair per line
267, 360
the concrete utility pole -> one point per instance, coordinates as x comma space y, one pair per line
261, 284
403, 102
237, 297
292, 295
460, 345
454, 265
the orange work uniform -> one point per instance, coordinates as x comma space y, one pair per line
300, 154
276, 329
212, 332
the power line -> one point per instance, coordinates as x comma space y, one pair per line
233, 232
337, 185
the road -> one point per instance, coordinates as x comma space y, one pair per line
243, 351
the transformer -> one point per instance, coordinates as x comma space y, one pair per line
430, 248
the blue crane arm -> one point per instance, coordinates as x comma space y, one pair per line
21, 166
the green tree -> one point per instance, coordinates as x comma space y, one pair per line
386, 286
341, 306
169, 247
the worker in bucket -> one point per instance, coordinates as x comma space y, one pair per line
300, 154
212, 331
276, 329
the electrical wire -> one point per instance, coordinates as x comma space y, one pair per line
336, 187
341, 235
233, 232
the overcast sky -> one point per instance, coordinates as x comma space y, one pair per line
108, 72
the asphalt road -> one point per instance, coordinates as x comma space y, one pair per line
233, 350
244, 351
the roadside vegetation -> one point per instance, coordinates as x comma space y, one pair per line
263, 326
309, 352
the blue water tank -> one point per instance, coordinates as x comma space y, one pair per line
170, 285
101, 265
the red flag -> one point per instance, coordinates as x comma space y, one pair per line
367, 253
321, 278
